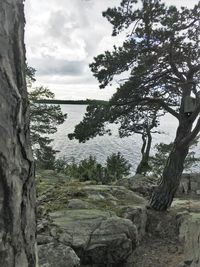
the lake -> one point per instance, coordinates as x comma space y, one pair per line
103, 146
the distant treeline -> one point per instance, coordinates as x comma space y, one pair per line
71, 102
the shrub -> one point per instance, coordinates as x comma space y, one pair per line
90, 170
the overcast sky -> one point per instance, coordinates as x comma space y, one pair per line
63, 36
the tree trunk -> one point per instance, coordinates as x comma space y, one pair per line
17, 191
143, 166
164, 194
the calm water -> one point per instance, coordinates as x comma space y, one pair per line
103, 146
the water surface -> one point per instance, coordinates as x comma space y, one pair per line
103, 146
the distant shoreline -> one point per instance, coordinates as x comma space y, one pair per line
70, 102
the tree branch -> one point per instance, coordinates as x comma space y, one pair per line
194, 115
173, 65
192, 135
192, 71
162, 104
147, 100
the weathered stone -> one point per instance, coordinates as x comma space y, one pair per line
190, 184
138, 216
111, 243
44, 239
143, 185
190, 236
98, 237
59, 255
76, 204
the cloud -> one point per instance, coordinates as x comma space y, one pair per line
51, 66
63, 36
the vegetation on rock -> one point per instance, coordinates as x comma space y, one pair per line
90, 170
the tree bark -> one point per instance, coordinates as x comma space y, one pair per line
164, 194
17, 190
143, 166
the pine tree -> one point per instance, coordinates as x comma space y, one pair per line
161, 55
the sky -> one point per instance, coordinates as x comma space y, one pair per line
63, 36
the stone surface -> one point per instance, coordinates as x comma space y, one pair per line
91, 222
76, 204
190, 236
138, 216
190, 184
143, 185
57, 255
98, 237
109, 225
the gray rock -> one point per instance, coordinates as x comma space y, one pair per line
111, 243
138, 216
44, 239
190, 184
143, 185
59, 255
99, 238
76, 204
190, 236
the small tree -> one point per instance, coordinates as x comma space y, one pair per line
90, 170
117, 166
44, 121
131, 121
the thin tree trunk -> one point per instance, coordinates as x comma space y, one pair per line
17, 191
146, 147
164, 194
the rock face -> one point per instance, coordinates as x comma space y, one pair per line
99, 238
52, 255
91, 225
143, 185
190, 184
109, 226
17, 192
190, 236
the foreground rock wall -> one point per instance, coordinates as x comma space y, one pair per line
110, 226
190, 184
190, 236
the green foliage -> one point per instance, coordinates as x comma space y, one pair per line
117, 166
161, 40
44, 119
160, 60
90, 170
159, 160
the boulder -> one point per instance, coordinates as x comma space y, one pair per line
144, 185
138, 216
190, 236
190, 184
59, 255
99, 238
